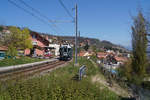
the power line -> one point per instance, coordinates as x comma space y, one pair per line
62, 4
37, 11
62, 21
32, 14
42, 15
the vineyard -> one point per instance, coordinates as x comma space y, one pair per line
59, 84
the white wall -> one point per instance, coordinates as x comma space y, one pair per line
56, 46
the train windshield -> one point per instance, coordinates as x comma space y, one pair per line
65, 49
69, 49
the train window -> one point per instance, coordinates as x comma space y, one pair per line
65, 49
60, 49
69, 49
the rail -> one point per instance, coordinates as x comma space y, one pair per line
23, 66
30, 71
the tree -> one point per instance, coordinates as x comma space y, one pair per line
16, 39
20, 38
1, 28
5, 38
26, 42
139, 46
86, 47
12, 51
94, 49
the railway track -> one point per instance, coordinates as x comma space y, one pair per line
30, 71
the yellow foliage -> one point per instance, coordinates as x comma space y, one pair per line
20, 38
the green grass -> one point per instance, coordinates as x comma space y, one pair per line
94, 58
58, 85
17, 61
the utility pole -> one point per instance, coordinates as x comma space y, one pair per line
76, 32
79, 41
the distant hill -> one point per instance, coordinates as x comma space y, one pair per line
91, 41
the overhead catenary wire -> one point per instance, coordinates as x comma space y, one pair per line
63, 21
32, 14
37, 11
44, 16
65, 8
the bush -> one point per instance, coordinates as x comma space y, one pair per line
12, 51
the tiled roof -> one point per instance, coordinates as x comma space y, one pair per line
123, 59
82, 53
85, 53
101, 54
3, 48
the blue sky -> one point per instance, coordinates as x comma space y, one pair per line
103, 19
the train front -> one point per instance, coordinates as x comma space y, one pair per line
65, 52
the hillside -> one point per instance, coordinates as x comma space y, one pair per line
92, 42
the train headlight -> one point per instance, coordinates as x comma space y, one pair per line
65, 54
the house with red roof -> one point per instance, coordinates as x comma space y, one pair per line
39, 45
85, 53
121, 60
102, 55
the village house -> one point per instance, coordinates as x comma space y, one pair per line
39, 45
85, 53
53, 46
104, 56
82, 44
121, 60
82, 53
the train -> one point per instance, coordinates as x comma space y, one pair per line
65, 52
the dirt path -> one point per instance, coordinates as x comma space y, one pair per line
115, 88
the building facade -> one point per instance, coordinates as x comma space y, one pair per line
39, 45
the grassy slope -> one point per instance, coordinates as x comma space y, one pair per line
22, 60
119, 89
58, 85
